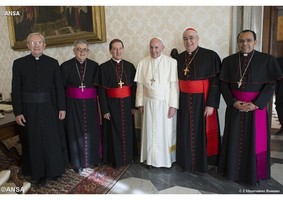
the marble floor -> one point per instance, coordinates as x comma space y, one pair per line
139, 180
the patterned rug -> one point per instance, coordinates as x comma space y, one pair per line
98, 180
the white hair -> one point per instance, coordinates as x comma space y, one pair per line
32, 34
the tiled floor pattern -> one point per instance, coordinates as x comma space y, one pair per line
139, 180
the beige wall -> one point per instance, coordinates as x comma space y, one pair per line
135, 26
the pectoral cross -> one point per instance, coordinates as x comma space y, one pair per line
152, 80
82, 86
121, 83
186, 70
240, 82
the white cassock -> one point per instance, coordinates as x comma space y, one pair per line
157, 90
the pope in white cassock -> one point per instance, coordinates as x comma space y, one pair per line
158, 100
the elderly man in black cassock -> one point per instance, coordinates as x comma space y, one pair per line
80, 75
117, 101
198, 134
247, 82
38, 99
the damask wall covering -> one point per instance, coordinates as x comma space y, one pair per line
135, 26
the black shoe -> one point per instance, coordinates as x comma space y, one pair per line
114, 166
55, 178
40, 182
280, 132
149, 167
97, 165
78, 170
93, 165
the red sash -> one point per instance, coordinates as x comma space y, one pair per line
120, 93
212, 129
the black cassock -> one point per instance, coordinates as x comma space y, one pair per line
279, 95
38, 94
119, 139
245, 152
193, 153
82, 119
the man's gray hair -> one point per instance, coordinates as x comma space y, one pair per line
81, 42
32, 34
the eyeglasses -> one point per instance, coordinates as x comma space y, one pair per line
82, 50
33, 43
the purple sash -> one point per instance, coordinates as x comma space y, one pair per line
260, 133
77, 93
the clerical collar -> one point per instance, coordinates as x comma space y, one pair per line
36, 57
247, 54
79, 61
193, 52
117, 61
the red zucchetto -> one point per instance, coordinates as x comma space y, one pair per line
192, 29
